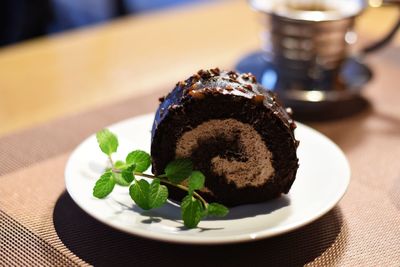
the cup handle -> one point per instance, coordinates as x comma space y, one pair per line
389, 36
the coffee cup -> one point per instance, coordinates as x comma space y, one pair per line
308, 45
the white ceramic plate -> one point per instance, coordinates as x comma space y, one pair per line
321, 181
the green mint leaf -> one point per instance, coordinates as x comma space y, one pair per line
108, 141
104, 186
127, 173
216, 209
119, 180
139, 192
178, 170
158, 194
192, 211
140, 158
119, 164
196, 181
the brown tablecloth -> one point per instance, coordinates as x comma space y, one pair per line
41, 225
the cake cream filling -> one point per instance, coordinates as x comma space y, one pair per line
254, 171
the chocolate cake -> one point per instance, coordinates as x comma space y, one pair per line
234, 131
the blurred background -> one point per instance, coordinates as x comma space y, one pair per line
63, 57
24, 19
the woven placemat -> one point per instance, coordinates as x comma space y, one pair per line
41, 226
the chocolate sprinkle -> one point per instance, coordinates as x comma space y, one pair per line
196, 94
258, 98
196, 77
182, 83
205, 74
252, 77
248, 87
215, 71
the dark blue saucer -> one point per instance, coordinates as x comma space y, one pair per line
334, 96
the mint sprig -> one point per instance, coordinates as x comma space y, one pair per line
179, 170
140, 158
218, 210
158, 194
153, 195
196, 181
127, 173
104, 186
192, 211
139, 192
108, 141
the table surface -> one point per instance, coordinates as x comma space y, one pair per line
71, 72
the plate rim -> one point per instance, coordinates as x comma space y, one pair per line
209, 240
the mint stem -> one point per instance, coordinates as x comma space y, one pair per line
111, 161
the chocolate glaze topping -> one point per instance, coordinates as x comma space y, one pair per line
215, 81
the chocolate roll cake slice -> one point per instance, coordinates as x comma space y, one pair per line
233, 130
